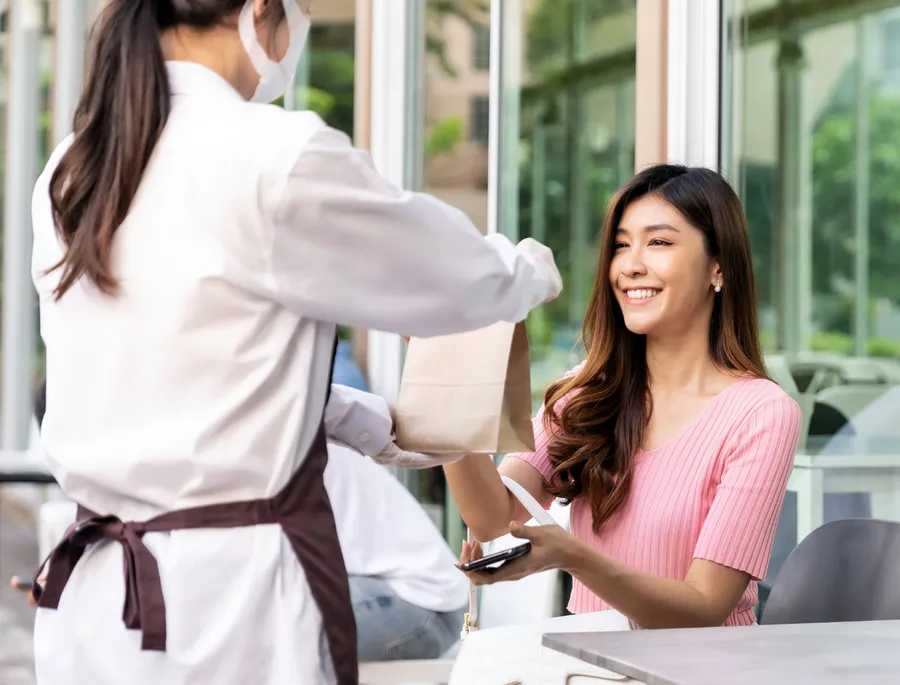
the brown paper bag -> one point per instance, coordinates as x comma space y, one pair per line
467, 394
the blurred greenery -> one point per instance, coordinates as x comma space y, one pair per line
834, 181
444, 136
553, 24
560, 163
332, 75
834, 172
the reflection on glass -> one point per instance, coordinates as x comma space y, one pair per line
456, 135
457, 110
814, 143
566, 140
326, 76
811, 139
572, 83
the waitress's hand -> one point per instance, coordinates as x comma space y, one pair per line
541, 258
394, 456
551, 548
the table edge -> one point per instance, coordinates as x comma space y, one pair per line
551, 641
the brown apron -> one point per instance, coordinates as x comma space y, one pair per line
303, 511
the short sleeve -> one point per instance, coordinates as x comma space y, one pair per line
540, 458
740, 527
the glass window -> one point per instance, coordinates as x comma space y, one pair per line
456, 131
890, 38
456, 107
812, 142
479, 124
481, 41
566, 135
18, 539
327, 73
569, 106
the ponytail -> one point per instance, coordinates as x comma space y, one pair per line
118, 122
119, 119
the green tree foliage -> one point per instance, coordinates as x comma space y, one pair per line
834, 177
444, 136
834, 183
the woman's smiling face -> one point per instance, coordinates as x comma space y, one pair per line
661, 273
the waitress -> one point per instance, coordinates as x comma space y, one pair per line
194, 249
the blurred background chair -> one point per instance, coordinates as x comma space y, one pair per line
844, 571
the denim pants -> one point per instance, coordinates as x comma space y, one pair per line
390, 628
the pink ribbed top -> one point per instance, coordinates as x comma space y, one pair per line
713, 492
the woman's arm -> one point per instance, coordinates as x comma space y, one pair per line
706, 597
485, 504
734, 542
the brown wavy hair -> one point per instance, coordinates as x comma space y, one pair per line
120, 117
601, 425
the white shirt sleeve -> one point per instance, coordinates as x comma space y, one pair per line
350, 248
359, 420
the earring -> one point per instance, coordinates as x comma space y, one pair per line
718, 287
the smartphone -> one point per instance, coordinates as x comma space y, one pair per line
494, 562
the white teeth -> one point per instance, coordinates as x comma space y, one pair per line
643, 294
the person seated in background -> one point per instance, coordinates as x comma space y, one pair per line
408, 596
346, 370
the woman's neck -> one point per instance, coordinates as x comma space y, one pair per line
217, 49
683, 363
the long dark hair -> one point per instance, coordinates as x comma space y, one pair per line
596, 434
119, 119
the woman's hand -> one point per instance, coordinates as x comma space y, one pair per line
551, 548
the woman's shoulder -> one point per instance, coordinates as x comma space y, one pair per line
753, 393
758, 402
271, 138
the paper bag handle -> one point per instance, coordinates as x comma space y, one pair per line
538, 513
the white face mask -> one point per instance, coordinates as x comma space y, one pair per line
274, 77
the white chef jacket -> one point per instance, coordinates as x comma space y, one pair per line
254, 231
385, 533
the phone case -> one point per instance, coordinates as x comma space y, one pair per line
484, 563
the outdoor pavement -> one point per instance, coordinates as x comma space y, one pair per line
18, 556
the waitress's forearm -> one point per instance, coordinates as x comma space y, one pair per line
482, 499
648, 600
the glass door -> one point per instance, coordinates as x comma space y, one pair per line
813, 144
567, 115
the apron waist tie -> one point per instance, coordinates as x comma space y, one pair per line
145, 607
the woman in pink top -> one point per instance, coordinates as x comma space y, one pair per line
670, 442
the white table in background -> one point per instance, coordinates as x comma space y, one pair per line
849, 464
